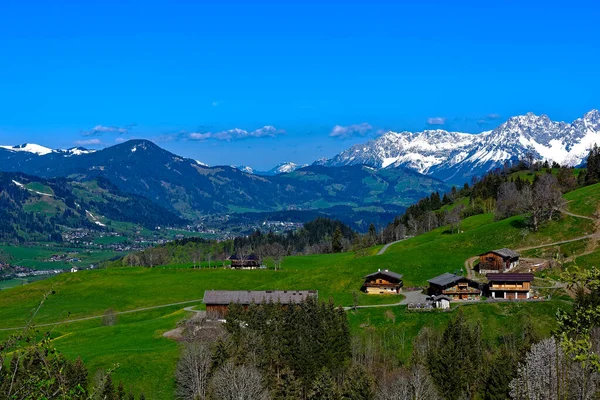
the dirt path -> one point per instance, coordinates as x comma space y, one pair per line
118, 313
387, 246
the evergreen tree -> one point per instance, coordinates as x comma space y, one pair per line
358, 384
108, 389
324, 388
336, 243
593, 166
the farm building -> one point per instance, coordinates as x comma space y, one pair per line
218, 301
501, 260
441, 301
382, 282
250, 262
509, 286
456, 287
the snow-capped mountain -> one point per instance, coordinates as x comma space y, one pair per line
42, 151
457, 156
244, 168
283, 168
30, 148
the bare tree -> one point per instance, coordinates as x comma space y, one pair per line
193, 372
244, 254
238, 383
408, 385
549, 374
109, 317
277, 253
400, 232
453, 218
509, 201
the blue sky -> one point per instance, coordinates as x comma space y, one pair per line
260, 82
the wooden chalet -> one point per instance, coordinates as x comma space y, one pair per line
509, 286
382, 282
218, 301
501, 260
456, 287
250, 262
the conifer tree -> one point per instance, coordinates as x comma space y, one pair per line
336, 243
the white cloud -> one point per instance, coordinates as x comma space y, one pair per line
436, 121
216, 103
88, 142
100, 129
237, 133
344, 132
120, 140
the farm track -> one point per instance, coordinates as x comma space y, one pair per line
387, 246
118, 313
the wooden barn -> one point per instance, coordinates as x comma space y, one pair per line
501, 260
509, 286
382, 282
218, 301
250, 262
456, 287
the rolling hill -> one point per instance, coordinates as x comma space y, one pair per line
33, 208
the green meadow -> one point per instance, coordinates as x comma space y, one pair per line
147, 360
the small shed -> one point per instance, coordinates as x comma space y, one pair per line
441, 301
250, 262
382, 282
218, 301
501, 260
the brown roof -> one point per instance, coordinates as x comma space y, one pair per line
510, 277
387, 273
225, 297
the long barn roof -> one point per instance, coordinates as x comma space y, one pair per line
225, 297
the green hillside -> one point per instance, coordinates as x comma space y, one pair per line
147, 360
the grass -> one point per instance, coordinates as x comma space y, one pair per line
584, 201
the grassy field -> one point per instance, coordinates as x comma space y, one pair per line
147, 360
584, 201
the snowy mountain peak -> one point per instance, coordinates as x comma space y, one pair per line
244, 168
30, 148
456, 156
285, 168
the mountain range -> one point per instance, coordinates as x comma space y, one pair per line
191, 189
456, 157
381, 176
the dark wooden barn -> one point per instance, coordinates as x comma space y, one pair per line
250, 262
218, 301
501, 260
454, 286
382, 282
